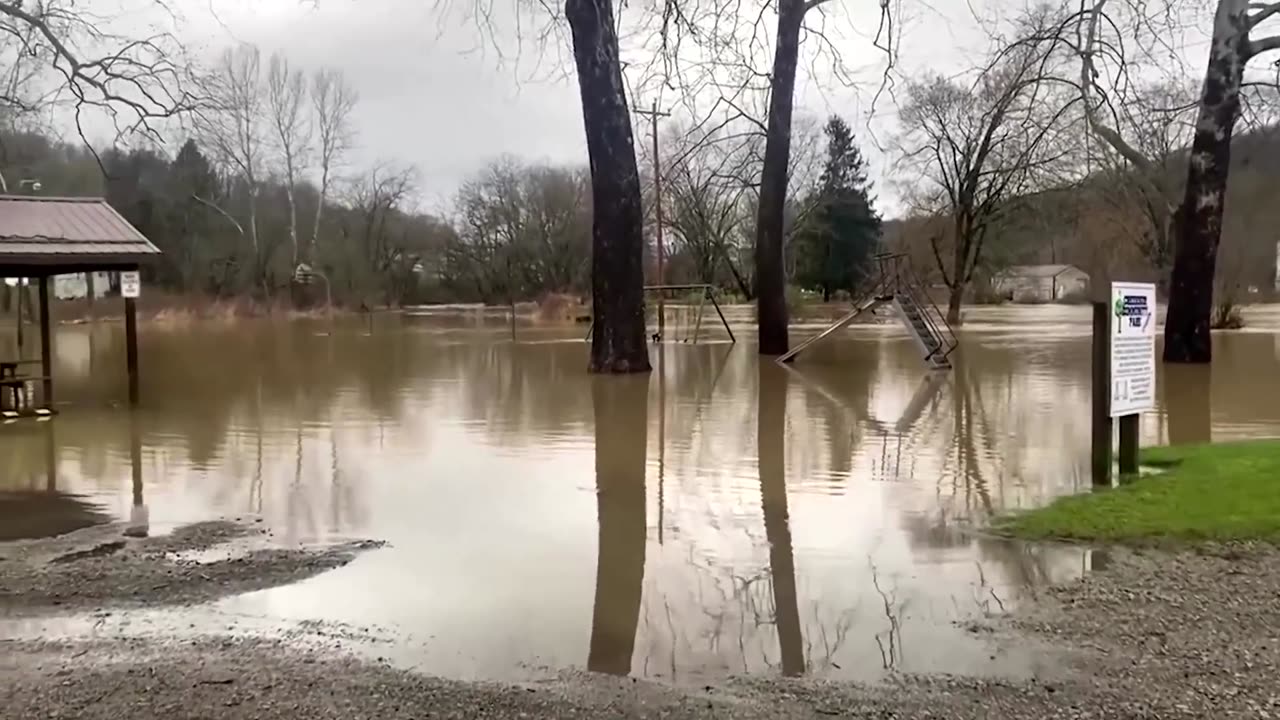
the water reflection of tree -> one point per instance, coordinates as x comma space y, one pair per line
839, 395
771, 429
969, 414
620, 405
889, 639
200, 380
722, 594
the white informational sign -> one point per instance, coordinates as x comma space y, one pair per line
130, 284
1133, 348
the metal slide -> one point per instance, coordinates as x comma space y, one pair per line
867, 304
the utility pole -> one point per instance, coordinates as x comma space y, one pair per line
657, 204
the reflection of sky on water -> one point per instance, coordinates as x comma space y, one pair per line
827, 535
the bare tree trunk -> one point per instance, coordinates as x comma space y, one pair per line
953, 304
617, 242
309, 248
621, 413
260, 262
771, 278
959, 270
1186, 332
293, 224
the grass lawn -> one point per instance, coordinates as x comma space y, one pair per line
1229, 491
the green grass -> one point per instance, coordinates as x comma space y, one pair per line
1229, 491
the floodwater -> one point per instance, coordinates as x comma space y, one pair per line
720, 516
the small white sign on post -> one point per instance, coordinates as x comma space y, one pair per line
130, 284
1133, 348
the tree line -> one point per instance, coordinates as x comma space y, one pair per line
1065, 105
515, 232
1056, 92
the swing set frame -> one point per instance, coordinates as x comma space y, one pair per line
708, 293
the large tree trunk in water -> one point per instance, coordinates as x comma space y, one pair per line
1186, 331
622, 419
953, 305
959, 268
617, 243
771, 277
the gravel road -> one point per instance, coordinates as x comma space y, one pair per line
1193, 634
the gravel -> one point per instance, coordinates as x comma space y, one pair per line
1156, 634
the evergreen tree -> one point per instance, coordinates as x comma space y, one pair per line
837, 239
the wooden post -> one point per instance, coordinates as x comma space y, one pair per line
131, 346
1101, 394
21, 290
1129, 444
50, 458
46, 343
135, 458
139, 525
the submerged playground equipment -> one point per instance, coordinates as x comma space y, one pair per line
704, 292
898, 286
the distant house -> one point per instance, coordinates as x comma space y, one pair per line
1040, 283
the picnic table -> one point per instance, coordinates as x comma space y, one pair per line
9, 368
13, 387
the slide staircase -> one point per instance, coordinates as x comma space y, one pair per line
898, 286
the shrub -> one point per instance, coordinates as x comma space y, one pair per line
1226, 316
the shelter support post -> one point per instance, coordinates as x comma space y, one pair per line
46, 344
1129, 444
131, 342
1101, 394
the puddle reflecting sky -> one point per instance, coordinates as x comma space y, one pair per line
721, 516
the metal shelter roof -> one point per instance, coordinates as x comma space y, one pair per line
60, 234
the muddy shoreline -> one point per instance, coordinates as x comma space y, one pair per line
1154, 634
99, 567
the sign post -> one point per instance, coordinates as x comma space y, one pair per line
1102, 426
1133, 362
131, 289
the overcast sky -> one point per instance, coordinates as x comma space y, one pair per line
429, 99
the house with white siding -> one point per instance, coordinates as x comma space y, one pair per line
1041, 283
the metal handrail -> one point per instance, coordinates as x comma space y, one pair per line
907, 283
949, 340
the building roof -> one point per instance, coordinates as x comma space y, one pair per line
1039, 271
68, 233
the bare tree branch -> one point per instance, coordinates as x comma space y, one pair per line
1263, 45
1264, 12
134, 82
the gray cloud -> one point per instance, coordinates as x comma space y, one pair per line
431, 98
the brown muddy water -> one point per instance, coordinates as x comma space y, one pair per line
721, 516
